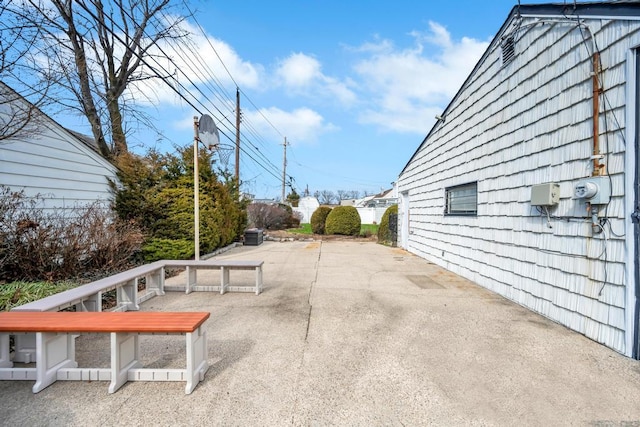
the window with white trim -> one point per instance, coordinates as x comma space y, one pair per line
461, 199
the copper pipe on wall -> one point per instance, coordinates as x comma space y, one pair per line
597, 167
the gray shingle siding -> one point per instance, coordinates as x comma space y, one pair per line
514, 126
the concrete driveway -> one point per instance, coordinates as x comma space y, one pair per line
352, 334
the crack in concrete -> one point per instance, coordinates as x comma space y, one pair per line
313, 282
306, 336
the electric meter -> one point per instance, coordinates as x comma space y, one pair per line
595, 190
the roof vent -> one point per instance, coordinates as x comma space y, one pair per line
508, 46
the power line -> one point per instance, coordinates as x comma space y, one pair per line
248, 125
180, 85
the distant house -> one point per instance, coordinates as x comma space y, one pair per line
384, 198
265, 201
528, 182
372, 208
63, 167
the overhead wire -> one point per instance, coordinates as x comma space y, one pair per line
344, 178
191, 102
193, 99
248, 125
260, 112
211, 74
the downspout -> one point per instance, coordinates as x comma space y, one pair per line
634, 123
632, 205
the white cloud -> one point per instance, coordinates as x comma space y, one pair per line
302, 125
299, 70
407, 87
438, 36
302, 75
184, 123
399, 89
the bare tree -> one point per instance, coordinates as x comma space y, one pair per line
348, 194
325, 197
98, 50
353, 194
18, 116
271, 217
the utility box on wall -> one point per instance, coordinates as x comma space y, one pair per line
545, 194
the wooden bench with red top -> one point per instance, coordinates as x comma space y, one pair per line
89, 297
55, 346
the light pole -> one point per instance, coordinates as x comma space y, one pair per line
196, 190
211, 138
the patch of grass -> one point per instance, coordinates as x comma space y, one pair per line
369, 229
365, 229
303, 229
17, 293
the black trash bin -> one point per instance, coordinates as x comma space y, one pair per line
253, 237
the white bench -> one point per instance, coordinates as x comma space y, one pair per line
225, 267
55, 346
88, 298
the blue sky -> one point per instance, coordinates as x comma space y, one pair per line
353, 85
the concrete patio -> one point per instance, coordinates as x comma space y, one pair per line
352, 333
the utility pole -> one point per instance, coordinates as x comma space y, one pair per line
238, 136
284, 168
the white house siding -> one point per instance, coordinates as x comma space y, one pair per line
511, 127
55, 165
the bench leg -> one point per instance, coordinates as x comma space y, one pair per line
25, 348
93, 303
53, 352
125, 352
5, 355
155, 282
224, 279
127, 296
192, 279
197, 364
258, 280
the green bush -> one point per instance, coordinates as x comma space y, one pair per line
318, 219
156, 249
293, 198
156, 191
343, 220
384, 234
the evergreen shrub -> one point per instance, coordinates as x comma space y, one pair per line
343, 220
318, 219
156, 192
156, 249
384, 234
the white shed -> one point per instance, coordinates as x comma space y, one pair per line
61, 166
306, 207
528, 182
